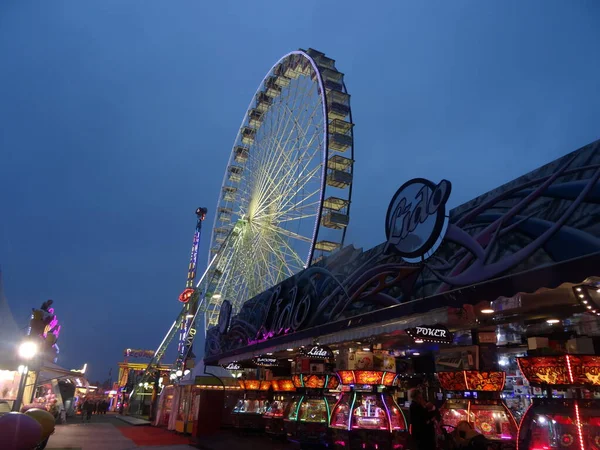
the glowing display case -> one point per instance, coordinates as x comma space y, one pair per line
562, 423
307, 415
248, 412
283, 390
478, 402
367, 416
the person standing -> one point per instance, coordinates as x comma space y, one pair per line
422, 421
89, 409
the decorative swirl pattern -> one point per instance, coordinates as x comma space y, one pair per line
548, 216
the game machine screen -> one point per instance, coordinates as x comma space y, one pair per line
366, 415
307, 415
571, 422
254, 402
474, 396
283, 392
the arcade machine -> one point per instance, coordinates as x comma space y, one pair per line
568, 417
474, 396
307, 415
247, 413
283, 390
367, 416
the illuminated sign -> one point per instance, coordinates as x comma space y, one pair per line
561, 370
416, 219
186, 295
430, 333
265, 361
233, 366
53, 327
585, 369
285, 385
189, 339
135, 353
546, 370
317, 351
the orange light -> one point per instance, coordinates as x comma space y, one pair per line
186, 295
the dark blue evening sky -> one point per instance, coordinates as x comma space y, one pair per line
117, 118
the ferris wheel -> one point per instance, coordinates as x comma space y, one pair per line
285, 198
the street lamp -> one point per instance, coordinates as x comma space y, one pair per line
27, 351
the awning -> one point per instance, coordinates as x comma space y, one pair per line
51, 371
400, 316
351, 334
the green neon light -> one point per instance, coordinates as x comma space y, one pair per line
298, 407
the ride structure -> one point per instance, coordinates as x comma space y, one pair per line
285, 198
286, 193
189, 299
185, 320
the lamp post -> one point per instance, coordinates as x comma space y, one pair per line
27, 351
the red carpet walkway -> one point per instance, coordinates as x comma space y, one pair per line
152, 436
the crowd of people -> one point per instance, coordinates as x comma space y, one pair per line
90, 407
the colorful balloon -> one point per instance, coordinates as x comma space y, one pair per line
19, 432
45, 419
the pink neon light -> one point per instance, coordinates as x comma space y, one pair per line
578, 419
53, 327
387, 411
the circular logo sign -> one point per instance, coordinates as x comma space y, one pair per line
224, 316
416, 219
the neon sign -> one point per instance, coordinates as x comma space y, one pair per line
317, 351
416, 219
233, 366
266, 361
53, 327
186, 295
134, 353
430, 333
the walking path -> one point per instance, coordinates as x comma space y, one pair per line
132, 420
108, 433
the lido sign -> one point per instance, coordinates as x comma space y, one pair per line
318, 352
416, 219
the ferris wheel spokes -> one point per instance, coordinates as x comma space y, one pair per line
286, 192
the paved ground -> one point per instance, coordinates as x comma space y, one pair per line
228, 440
101, 434
108, 433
